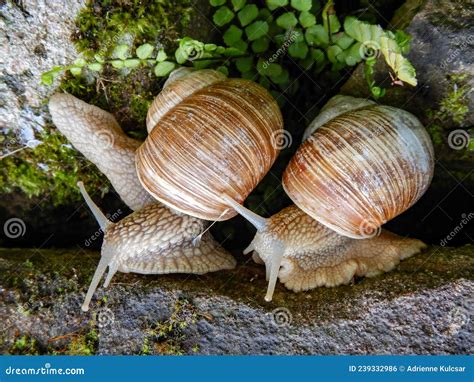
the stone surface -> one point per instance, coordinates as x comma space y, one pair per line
34, 37
425, 306
442, 44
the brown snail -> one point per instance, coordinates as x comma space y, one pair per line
361, 165
208, 135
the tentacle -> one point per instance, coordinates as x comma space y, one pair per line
98, 136
99, 216
256, 220
276, 252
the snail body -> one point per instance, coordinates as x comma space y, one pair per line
175, 177
361, 165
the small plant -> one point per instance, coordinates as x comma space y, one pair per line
271, 45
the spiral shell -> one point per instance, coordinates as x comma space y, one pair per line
210, 135
361, 168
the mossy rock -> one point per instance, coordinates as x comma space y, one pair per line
422, 307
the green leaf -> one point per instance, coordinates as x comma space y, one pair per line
361, 31
240, 45
307, 19
144, 51
260, 45
256, 30
248, 14
217, 3
132, 63
403, 41
161, 55
316, 35
121, 51
353, 53
281, 78
350, 60
223, 70
238, 4
210, 47
296, 35
265, 15
287, 20
189, 49
223, 16
80, 62
343, 40
372, 38
402, 68
117, 64
333, 51
100, 59
75, 71
164, 68
318, 55
301, 5
95, 66
232, 52
232, 35
274, 4
244, 64
331, 22
298, 50
266, 68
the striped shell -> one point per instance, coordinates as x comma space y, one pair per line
209, 135
361, 168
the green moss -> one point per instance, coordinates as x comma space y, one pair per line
453, 108
102, 23
167, 336
25, 345
455, 104
53, 168
84, 344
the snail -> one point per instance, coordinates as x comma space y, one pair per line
360, 165
208, 136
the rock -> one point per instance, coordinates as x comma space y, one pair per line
442, 45
34, 37
423, 307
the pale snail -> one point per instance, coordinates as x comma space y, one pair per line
208, 135
360, 165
